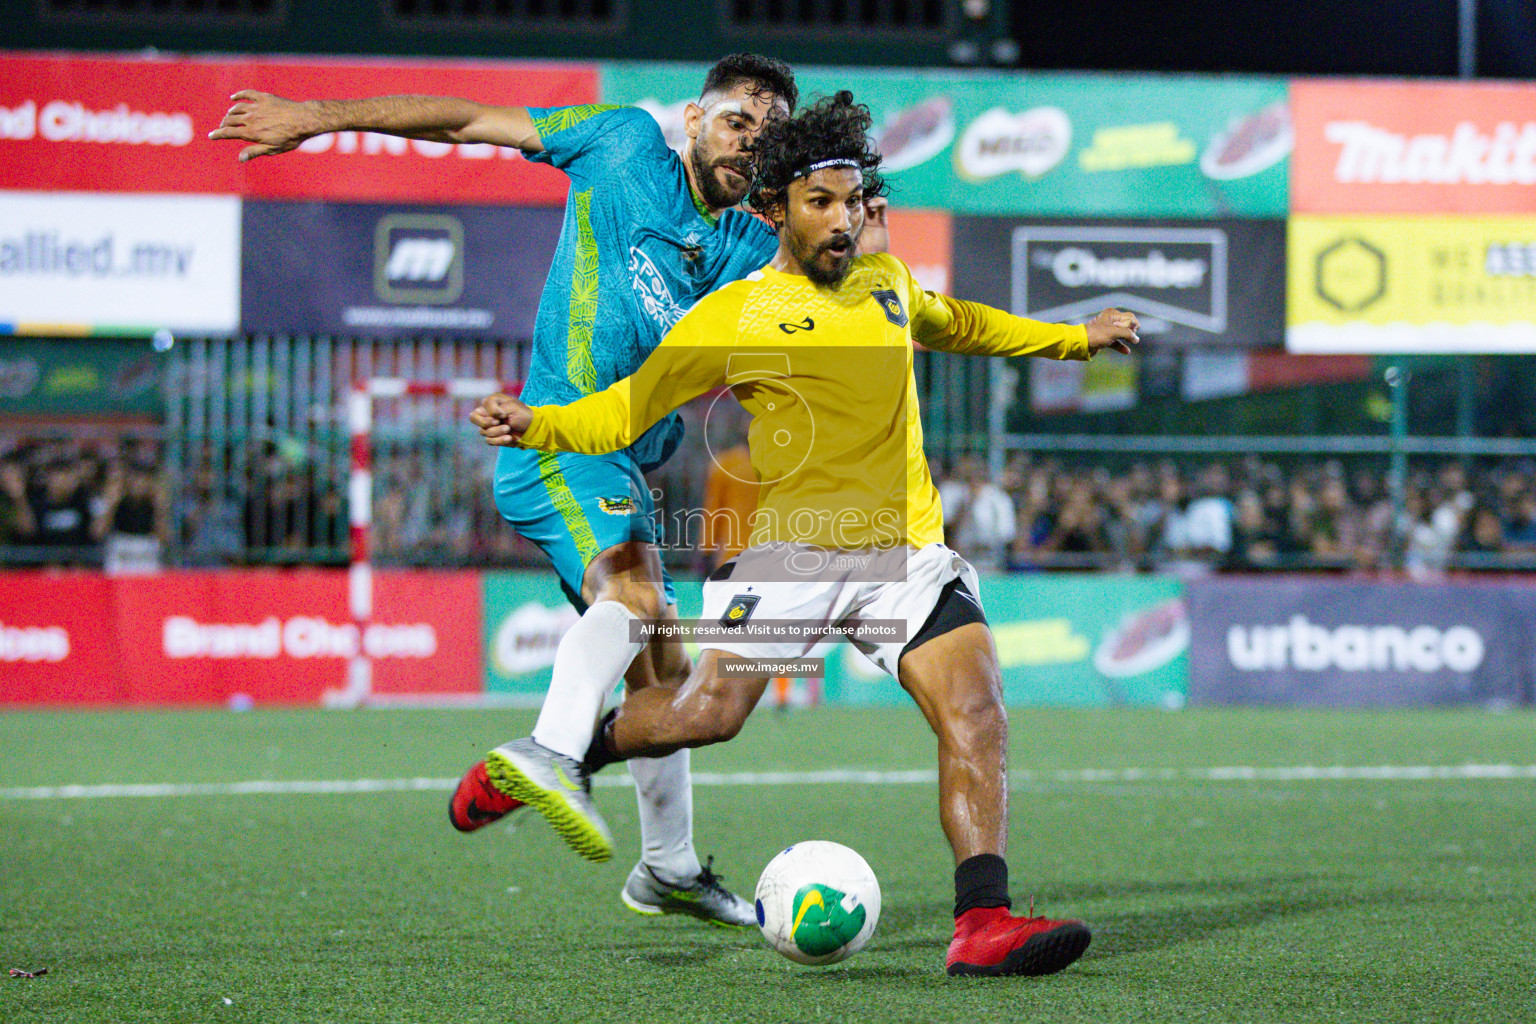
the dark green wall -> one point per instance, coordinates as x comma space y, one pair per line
654, 30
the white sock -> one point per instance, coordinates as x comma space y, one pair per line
664, 792
589, 663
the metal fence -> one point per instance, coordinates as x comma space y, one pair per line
249, 463
258, 452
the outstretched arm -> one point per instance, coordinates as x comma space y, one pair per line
275, 125
595, 424
955, 325
673, 375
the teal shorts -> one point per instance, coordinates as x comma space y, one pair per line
574, 507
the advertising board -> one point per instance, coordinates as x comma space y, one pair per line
84, 263
1206, 283
391, 270
140, 124
63, 376
1042, 144
1413, 147
207, 637
1314, 641
1423, 284
1079, 642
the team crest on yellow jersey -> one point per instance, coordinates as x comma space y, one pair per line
617, 506
739, 610
891, 303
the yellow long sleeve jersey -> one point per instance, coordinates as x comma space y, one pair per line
826, 374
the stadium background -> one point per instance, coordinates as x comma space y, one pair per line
1316, 856
1333, 371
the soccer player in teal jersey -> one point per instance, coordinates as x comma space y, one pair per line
646, 235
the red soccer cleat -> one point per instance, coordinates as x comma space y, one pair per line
990, 942
476, 803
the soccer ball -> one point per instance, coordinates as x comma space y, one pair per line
818, 903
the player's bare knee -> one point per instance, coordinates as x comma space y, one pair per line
721, 728
719, 710
710, 722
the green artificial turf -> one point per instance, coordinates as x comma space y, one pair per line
1222, 901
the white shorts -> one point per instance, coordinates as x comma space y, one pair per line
796, 615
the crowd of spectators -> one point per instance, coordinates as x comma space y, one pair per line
438, 508
113, 502
95, 500
126, 504
431, 505
1244, 514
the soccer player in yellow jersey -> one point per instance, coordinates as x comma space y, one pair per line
848, 536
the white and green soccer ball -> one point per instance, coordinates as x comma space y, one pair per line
818, 903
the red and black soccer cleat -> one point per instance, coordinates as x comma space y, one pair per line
990, 942
476, 803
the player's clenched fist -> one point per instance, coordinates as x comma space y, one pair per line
501, 420
1113, 328
273, 124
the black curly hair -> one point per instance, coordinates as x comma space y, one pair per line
763, 73
832, 128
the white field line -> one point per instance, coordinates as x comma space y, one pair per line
831, 776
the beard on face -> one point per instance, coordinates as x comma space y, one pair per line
716, 195
822, 265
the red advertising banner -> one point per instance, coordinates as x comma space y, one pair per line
57, 642
924, 240
1413, 147
120, 124
1268, 371
205, 637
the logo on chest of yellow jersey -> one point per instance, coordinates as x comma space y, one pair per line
805, 325
890, 302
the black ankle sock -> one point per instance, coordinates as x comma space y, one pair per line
600, 754
981, 881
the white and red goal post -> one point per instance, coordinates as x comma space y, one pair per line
357, 688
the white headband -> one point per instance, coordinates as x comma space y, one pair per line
821, 164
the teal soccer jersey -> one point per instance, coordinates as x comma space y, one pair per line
635, 253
